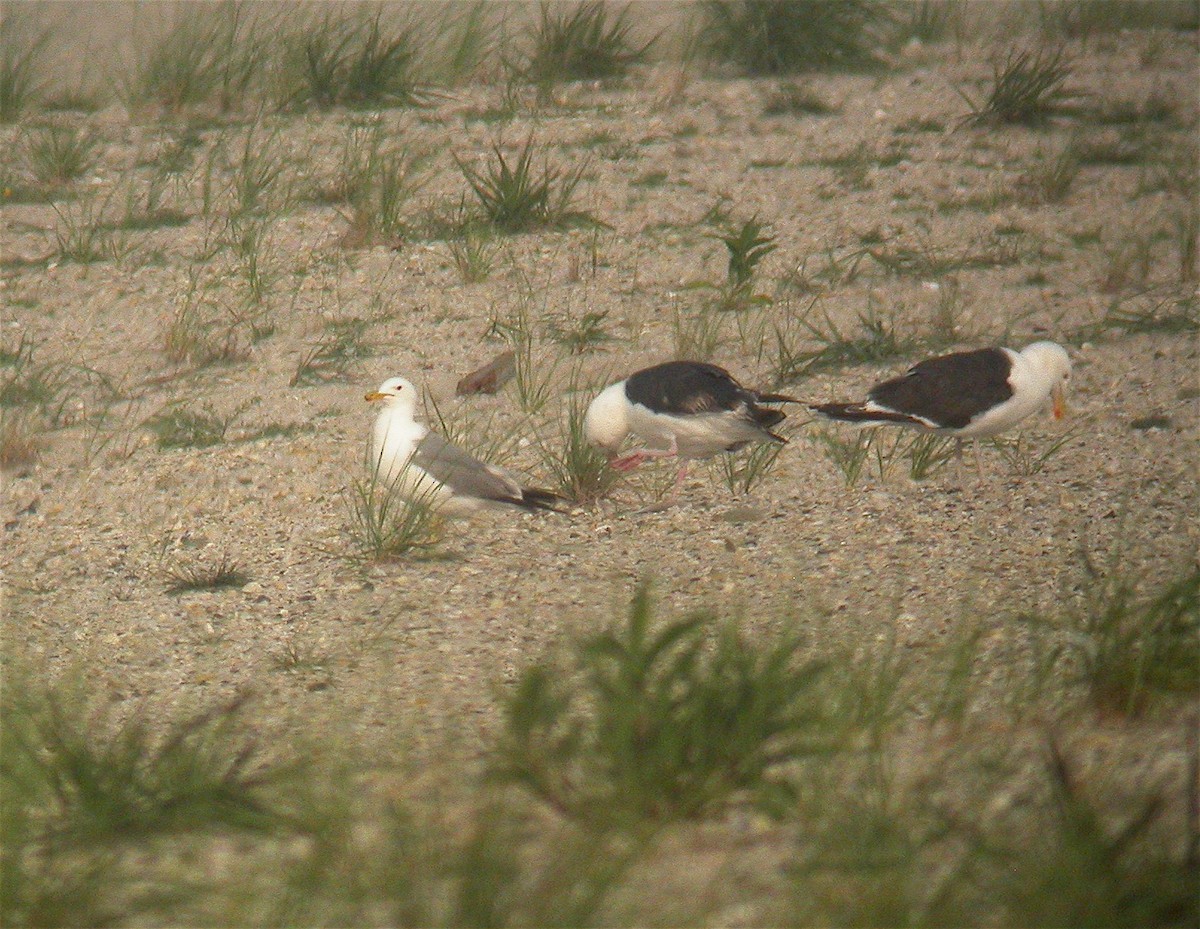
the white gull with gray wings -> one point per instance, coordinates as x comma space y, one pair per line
423, 464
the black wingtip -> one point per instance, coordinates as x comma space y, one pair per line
856, 413
533, 498
775, 398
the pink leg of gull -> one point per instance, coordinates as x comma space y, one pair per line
673, 496
641, 455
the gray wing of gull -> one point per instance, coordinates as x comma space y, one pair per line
463, 473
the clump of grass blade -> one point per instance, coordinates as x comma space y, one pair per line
98, 781
348, 60
27, 383
474, 254
222, 575
1023, 458
515, 198
1050, 178
19, 438
772, 37
58, 153
743, 471
697, 334
213, 55
580, 334
82, 234
659, 721
20, 85
927, 454
576, 468
1027, 88
333, 356
1081, 869
580, 41
878, 339
849, 455
198, 427
388, 522
747, 247
1124, 647
792, 99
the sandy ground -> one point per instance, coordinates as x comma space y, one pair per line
416, 648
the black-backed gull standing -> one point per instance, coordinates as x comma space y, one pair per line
687, 409
969, 395
423, 464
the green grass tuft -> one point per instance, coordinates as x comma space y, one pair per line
743, 471
747, 247
20, 82
1027, 88
347, 59
57, 153
514, 197
386, 523
877, 339
214, 55
773, 37
334, 355
576, 469
1126, 648
223, 575
658, 721
199, 427
93, 780
580, 42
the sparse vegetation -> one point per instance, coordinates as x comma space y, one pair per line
652, 720
515, 198
877, 339
213, 56
192, 427
474, 254
350, 59
579, 42
747, 247
824, 717
335, 354
24, 382
1125, 647
795, 99
580, 334
1050, 178
224, 573
20, 82
377, 181
696, 333
84, 236
1028, 458
95, 780
788, 36
388, 523
58, 154
1027, 88
576, 469
19, 443
742, 472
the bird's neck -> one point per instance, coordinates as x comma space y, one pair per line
396, 427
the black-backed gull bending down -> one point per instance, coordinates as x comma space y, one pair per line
681, 408
423, 464
969, 395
